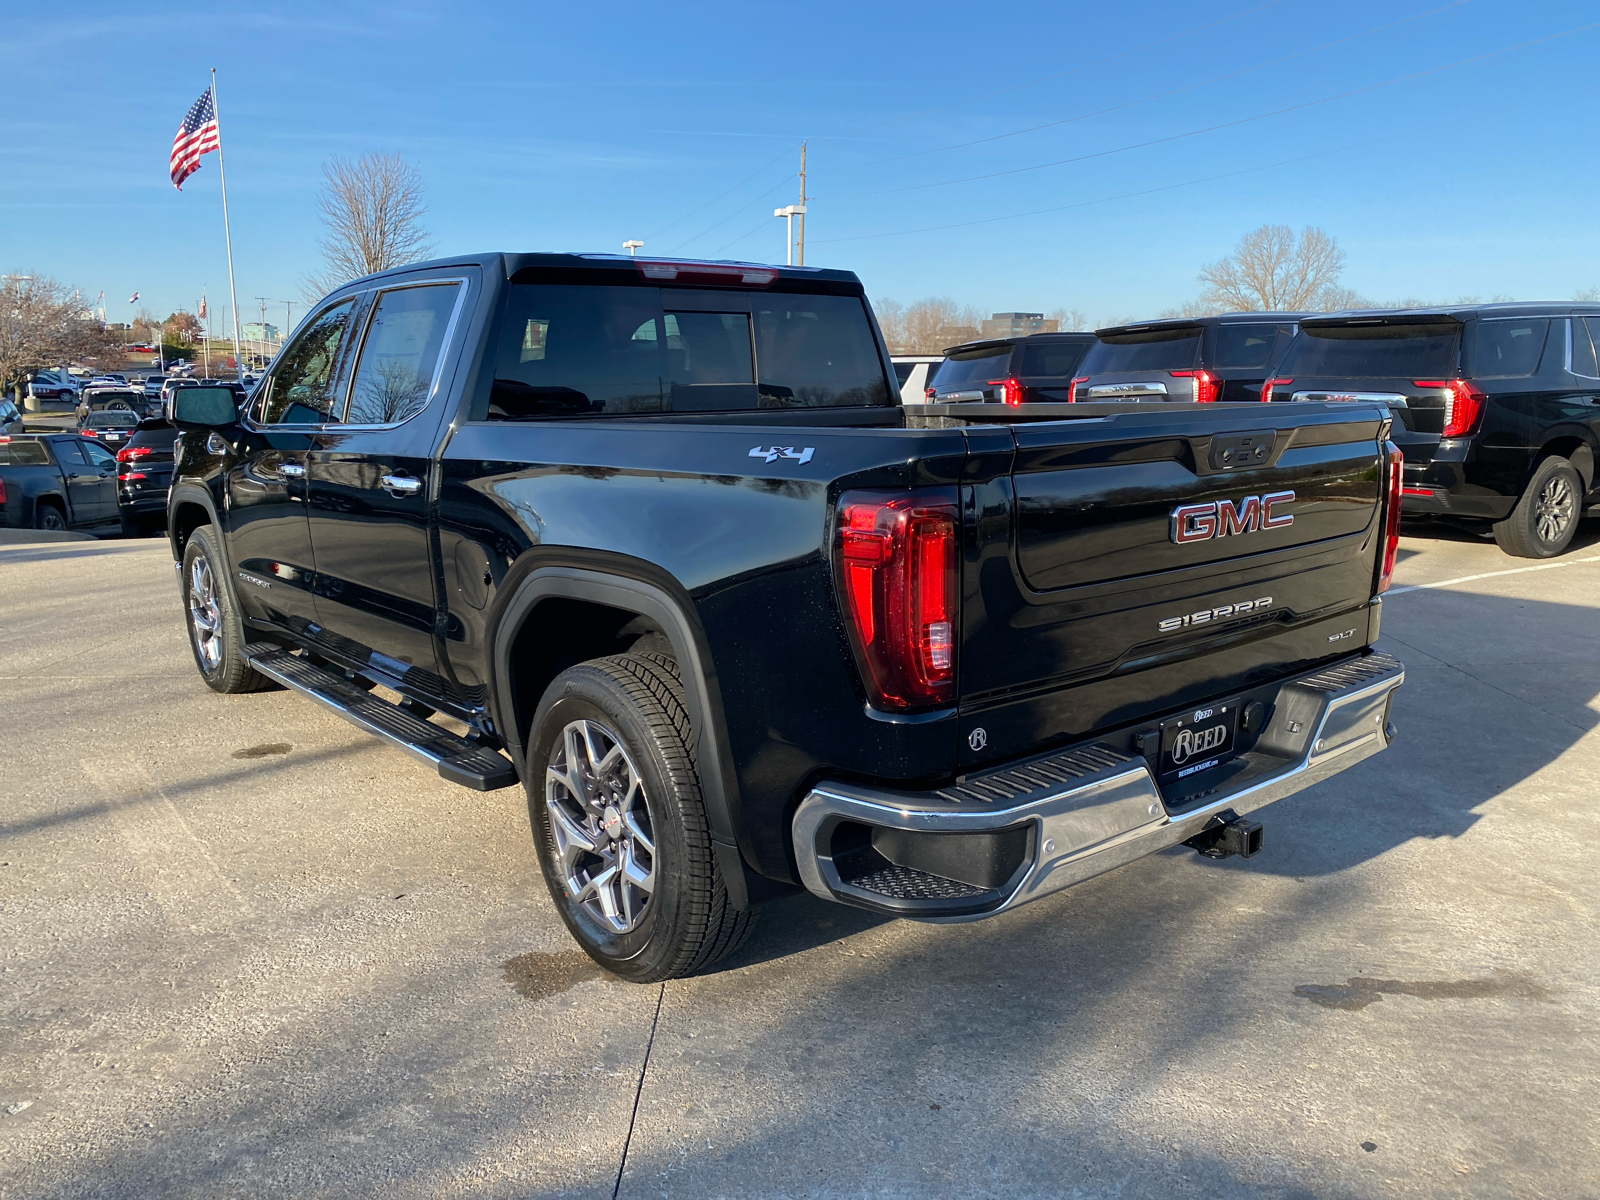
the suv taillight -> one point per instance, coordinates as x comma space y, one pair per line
1463, 404
897, 585
927, 394
2, 491
129, 453
1266, 388
1205, 385
1010, 390
1391, 516
1072, 393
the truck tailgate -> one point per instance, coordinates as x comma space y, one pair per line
1131, 564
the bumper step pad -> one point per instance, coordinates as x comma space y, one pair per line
455, 758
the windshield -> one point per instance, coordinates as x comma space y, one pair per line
974, 368
1151, 350
1374, 351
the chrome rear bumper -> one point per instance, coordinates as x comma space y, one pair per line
1069, 816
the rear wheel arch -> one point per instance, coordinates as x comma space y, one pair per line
610, 601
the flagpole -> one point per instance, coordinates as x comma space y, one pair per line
238, 355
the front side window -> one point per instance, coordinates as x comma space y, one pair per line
405, 340
300, 389
99, 456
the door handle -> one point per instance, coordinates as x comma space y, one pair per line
401, 485
292, 470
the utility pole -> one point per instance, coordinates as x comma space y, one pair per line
263, 300
802, 253
288, 323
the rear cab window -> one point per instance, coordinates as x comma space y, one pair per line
972, 369
24, 454
575, 350
1374, 351
1147, 350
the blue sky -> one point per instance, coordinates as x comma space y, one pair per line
574, 128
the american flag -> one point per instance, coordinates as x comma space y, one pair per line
196, 136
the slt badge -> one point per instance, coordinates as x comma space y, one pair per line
777, 452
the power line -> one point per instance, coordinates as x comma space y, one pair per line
1277, 112
1453, 122
787, 150
737, 211
1100, 112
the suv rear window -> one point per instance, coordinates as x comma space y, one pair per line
973, 368
1246, 347
1374, 351
1151, 350
1046, 360
112, 418
1507, 347
576, 350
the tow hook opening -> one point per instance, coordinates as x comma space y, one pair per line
1227, 834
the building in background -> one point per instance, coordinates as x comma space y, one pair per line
1017, 324
256, 331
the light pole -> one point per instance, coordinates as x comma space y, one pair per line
633, 247
790, 211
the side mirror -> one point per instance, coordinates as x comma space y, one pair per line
204, 408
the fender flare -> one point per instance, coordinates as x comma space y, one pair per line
634, 586
187, 493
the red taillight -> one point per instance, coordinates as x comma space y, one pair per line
2, 491
1205, 385
1463, 404
129, 453
134, 475
897, 577
1266, 388
1010, 390
1391, 516
1072, 393
927, 394
87, 433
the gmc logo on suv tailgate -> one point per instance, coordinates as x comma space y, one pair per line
1202, 522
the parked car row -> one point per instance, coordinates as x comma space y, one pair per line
1495, 407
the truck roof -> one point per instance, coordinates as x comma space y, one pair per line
717, 272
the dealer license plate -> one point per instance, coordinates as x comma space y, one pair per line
1199, 740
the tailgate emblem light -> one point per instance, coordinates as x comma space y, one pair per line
1220, 518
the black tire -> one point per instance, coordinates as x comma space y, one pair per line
686, 922
133, 526
50, 516
1547, 515
218, 651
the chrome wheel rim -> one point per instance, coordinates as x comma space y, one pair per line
1553, 513
600, 820
205, 614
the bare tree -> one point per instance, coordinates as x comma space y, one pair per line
927, 326
1587, 295
372, 207
1272, 270
1069, 320
44, 324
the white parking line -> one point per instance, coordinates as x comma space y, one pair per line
1417, 587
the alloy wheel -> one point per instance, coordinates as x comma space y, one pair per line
205, 614
1554, 510
600, 819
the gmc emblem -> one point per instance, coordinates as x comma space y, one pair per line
1202, 522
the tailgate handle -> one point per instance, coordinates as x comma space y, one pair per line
1242, 451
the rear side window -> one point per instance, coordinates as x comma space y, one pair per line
1152, 350
577, 350
70, 454
1247, 347
24, 454
1508, 348
1051, 359
1585, 361
972, 369
1374, 351
400, 356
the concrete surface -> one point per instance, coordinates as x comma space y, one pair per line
24, 537
249, 951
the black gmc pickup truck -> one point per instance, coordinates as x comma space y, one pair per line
657, 540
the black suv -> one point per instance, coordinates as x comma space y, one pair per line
1204, 359
1031, 369
144, 471
1497, 407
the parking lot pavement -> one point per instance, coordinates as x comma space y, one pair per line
250, 951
